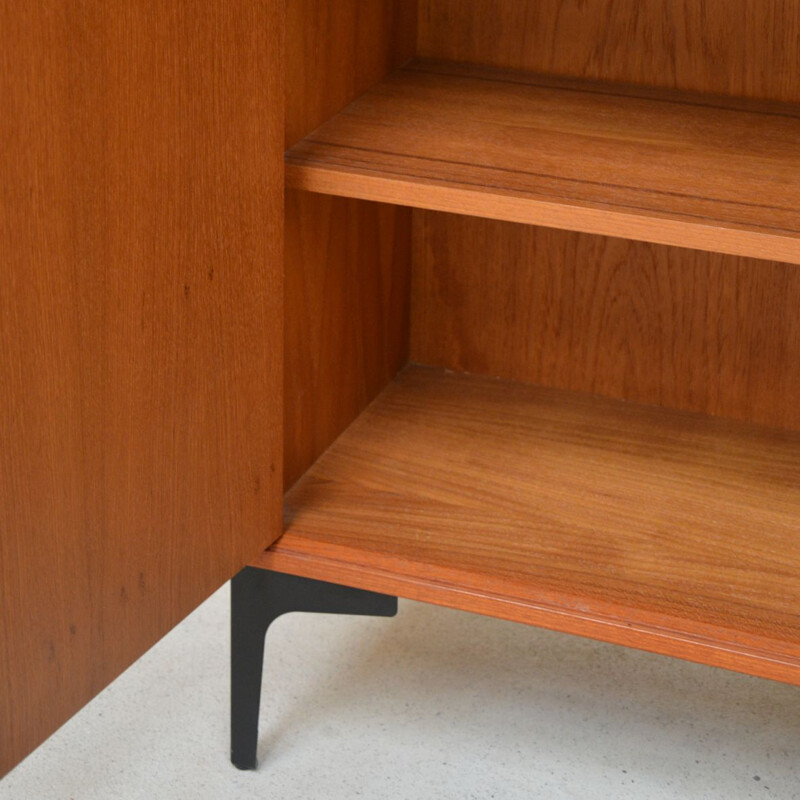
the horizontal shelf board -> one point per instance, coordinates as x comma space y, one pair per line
672, 169
668, 531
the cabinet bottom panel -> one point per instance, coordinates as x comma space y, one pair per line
669, 531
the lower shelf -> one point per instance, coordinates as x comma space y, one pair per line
662, 530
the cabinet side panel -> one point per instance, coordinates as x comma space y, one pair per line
336, 50
141, 208
747, 48
641, 322
348, 263
347, 294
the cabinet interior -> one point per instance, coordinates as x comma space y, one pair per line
579, 224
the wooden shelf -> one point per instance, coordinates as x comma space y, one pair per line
668, 531
689, 170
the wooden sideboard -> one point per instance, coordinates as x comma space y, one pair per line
495, 300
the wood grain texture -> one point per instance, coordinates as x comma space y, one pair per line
348, 264
141, 208
347, 300
657, 529
581, 157
337, 49
672, 327
747, 48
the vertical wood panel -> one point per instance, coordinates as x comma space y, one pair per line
141, 209
347, 263
347, 292
337, 49
739, 47
673, 327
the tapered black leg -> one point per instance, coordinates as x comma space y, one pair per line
258, 597
249, 623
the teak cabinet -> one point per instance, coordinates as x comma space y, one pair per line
503, 293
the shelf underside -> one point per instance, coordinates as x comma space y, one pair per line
673, 532
691, 171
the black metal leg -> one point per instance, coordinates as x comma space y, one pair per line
258, 597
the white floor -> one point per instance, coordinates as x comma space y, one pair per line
431, 704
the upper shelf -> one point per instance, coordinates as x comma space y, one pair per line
686, 170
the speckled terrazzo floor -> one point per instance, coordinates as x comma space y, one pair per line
432, 704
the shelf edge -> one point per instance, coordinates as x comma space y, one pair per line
709, 645
350, 182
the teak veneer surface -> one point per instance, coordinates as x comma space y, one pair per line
665, 530
347, 263
337, 50
711, 174
141, 239
745, 48
347, 292
668, 326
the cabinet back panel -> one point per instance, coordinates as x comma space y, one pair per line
347, 262
745, 48
646, 323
